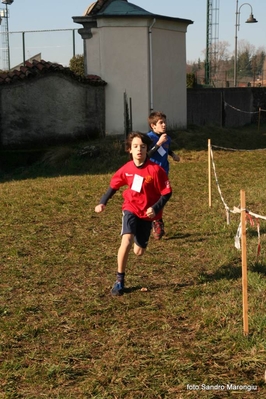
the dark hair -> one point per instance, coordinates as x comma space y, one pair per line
143, 136
155, 116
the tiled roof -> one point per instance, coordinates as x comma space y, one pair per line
120, 9
39, 68
115, 7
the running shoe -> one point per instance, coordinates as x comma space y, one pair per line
118, 288
158, 229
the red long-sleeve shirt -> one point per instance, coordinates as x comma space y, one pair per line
153, 188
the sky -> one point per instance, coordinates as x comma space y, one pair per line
32, 15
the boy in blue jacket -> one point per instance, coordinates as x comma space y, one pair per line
158, 153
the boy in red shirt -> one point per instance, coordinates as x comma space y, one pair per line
148, 190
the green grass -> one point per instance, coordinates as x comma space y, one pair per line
63, 336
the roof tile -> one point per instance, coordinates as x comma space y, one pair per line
39, 68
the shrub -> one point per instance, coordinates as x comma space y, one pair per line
76, 64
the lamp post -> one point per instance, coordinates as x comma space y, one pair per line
7, 2
250, 20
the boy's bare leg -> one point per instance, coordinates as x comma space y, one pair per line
123, 252
138, 250
122, 258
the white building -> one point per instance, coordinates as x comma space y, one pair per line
140, 53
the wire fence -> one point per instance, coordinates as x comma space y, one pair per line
58, 45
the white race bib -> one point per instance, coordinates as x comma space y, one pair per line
161, 151
137, 183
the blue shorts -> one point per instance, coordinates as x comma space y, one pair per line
141, 228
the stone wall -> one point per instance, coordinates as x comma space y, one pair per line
50, 108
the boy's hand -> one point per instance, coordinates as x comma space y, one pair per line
162, 139
176, 157
99, 208
150, 212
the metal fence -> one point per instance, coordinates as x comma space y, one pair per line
58, 45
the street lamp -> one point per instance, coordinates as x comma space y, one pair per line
250, 20
7, 2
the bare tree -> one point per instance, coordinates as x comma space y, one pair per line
250, 62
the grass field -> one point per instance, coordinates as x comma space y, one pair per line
62, 335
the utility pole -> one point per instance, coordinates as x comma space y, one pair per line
4, 15
212, 37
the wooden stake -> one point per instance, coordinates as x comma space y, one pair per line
209, 172
244, 261
228, 216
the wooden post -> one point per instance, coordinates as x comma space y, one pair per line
244, 261
209, 172
228, 216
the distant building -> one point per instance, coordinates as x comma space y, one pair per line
140, 53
